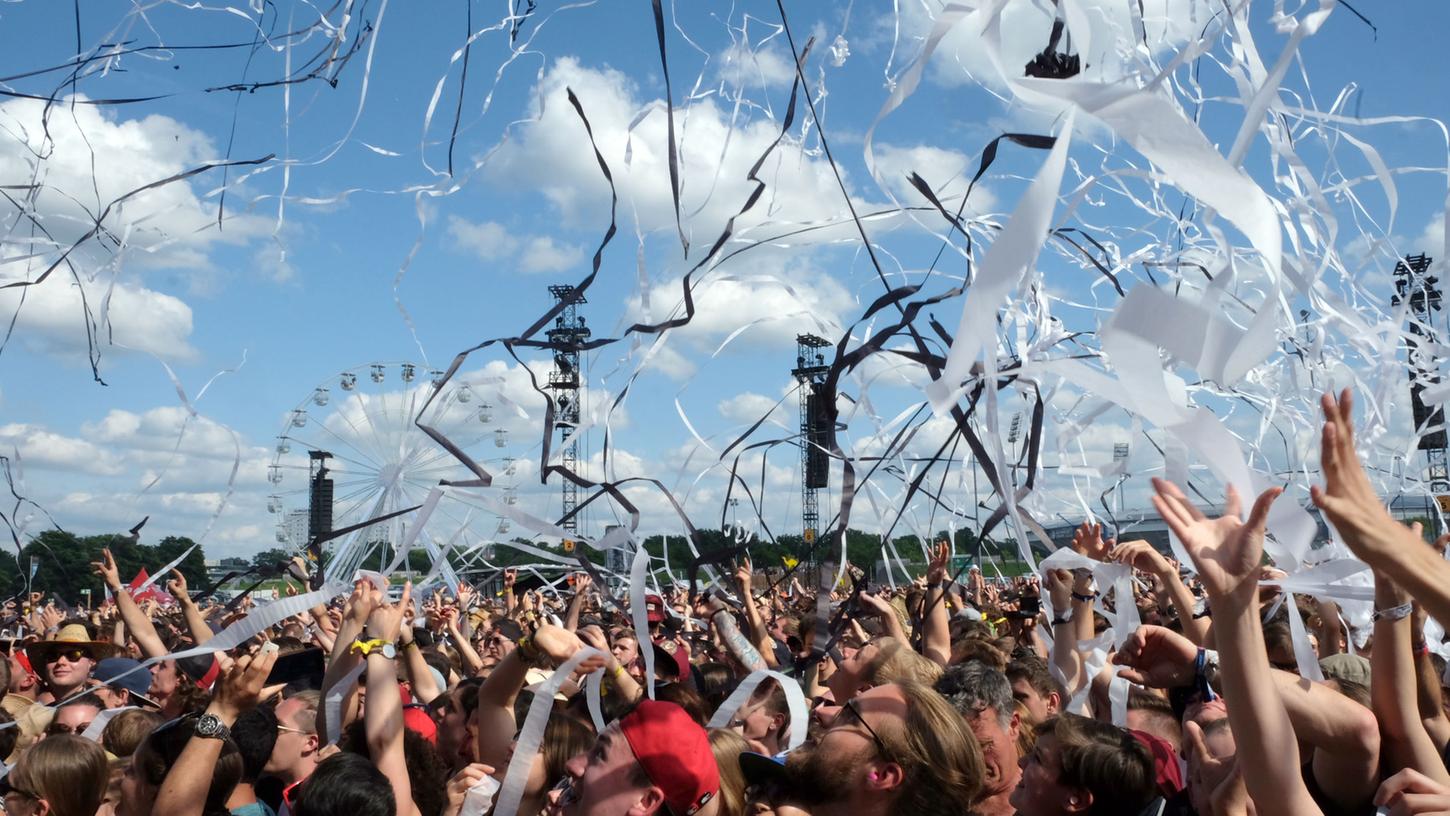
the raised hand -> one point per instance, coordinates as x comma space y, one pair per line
1059, 589
1088, 541
1140, 555
936, 568
176, 587
1411, 793
1157, 657
1348, 498
745, 575
509, 576
241, 686
1226, 551
364, 599
387, 618
106, 568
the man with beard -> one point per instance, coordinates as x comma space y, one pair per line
895, 748
983, 696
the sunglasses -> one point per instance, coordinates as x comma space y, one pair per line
62, 728
850, 706
72, 655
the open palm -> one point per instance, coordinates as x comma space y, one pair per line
1225, 550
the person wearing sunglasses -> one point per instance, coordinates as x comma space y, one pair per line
65, 663
60, 776
894, 748
74, 717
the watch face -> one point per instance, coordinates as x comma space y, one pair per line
208, 726
389, 651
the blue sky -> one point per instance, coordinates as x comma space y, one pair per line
356, 216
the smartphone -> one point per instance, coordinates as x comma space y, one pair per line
308, 664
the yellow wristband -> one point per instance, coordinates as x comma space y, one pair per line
365, 647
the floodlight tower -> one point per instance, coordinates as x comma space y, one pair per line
810, 371
1422, 291
568, 334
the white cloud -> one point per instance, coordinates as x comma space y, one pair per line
82, 160
747, 407
489, 240
552, 155
41, 448
942, 169
767, 65
783, 298
543, 254
52, 317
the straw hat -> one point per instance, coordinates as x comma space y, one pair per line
70, 636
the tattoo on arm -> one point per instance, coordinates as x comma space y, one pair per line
737, 642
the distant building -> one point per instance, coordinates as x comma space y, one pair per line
294, 526
215, 570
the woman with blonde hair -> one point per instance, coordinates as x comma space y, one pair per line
62, 775
727, 746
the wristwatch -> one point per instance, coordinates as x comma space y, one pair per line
210, 726
382, 647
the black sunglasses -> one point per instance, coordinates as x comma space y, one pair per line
850, 706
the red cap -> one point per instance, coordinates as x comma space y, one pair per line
1166, 773
654, 607
674, 752
415, 718
24, 660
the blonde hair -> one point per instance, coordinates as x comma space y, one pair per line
68, 772
727, 747
937, 751
896, 662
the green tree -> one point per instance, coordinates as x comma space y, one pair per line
64, 563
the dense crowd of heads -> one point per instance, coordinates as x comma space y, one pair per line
1032, 695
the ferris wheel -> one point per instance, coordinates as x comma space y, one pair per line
358, 432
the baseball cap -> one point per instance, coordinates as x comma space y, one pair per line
654, 607
674, 752
132, 678
671, 664
415, 718
762, 769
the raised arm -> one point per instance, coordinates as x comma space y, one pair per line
425, 688
343, 660
383, 715
1227, 552
739, 645
936, 638
195, 622
1140, 555
183, 791
745, 578
137, 623
582, 582
1355, 510
465, 646
1393, 693
1065, 657
1343, 734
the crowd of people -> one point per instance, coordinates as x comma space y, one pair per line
1028, 696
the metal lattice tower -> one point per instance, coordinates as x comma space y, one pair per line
567, 335
1422, 291
810, 371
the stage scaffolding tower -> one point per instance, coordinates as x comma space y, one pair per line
1421, 290
568, 334
815, 421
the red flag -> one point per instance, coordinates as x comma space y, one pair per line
151, 592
